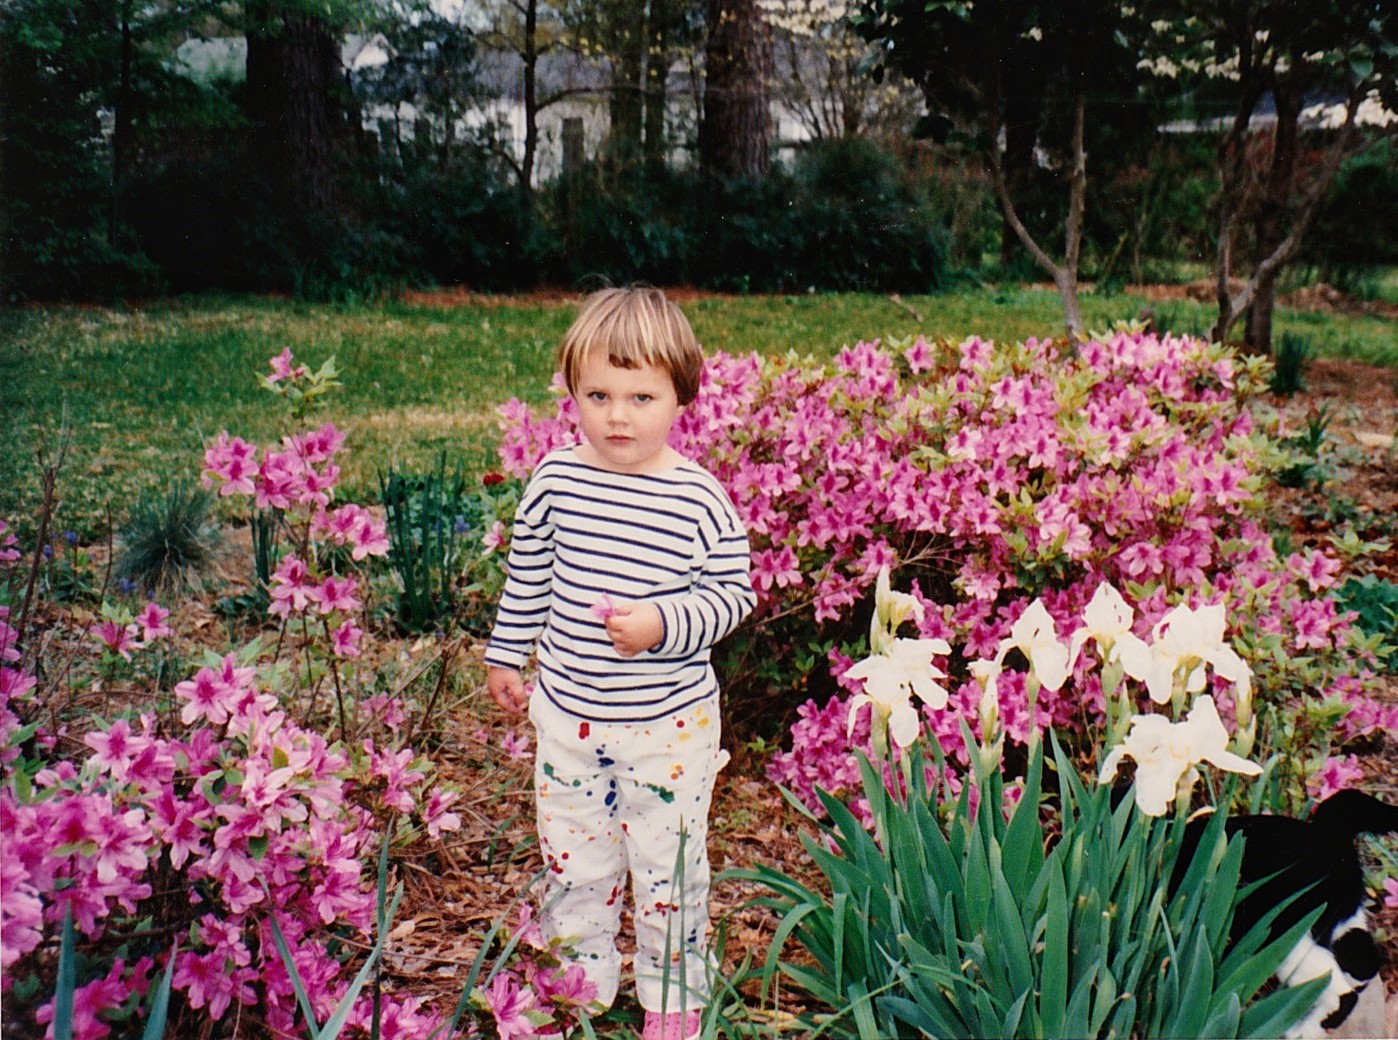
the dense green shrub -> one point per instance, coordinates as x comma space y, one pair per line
618, 225
846, 215
463, 223
1357, 229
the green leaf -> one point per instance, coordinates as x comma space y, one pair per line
1023, 851
1053, 988
67, 981
1192, 1006
160, 1006
296, 983
1076, 1017
1278, 1011
336, 1022
1224, 1019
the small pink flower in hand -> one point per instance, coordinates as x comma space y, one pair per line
604, 608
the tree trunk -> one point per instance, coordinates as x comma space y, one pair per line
1271, 263
735, 134
1021, 129
657, 77
530, 55
626, 109
1270, 224
1064, 275
122, 132
293, 88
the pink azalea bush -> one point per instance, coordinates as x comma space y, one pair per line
990, 474
208, 820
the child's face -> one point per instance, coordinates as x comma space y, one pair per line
626, 413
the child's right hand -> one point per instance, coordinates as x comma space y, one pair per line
507, 689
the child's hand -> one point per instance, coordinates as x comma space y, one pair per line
507, 689
634, 627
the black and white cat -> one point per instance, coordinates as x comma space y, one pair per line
1318, 852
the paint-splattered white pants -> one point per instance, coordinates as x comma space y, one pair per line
619, 797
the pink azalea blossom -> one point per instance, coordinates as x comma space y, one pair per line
230, 463
369, 537
205, 981
117, 638
516, 745
435, 815
21, 907
1390, 889
567, 987
510, 1004
495, 537
777, 568
93, 999
1336, 774
152, 622
344, 641
527, 930
919, 356
395, 769
9, 546
291, 588
207, 696
335, 594
282, 368
8, 637
116, 748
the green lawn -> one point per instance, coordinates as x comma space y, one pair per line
141, 388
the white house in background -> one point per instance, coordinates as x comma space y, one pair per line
1319, 111
585, 83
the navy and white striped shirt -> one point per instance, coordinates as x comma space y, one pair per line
670, 538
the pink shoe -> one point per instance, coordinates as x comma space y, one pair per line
674, 1026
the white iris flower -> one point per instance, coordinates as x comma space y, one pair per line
1035, 635
1184, 642
1166, 753
1107, 622
891, 680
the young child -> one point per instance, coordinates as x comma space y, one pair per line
628, 563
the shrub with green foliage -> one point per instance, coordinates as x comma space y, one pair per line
847, 215
1374, 602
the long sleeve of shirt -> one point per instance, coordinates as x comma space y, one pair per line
525, 600
671, 539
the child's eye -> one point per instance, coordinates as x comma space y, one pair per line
596, 395
643, 398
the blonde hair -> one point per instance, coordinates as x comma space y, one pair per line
635, 326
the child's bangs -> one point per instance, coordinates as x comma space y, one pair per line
631, 342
